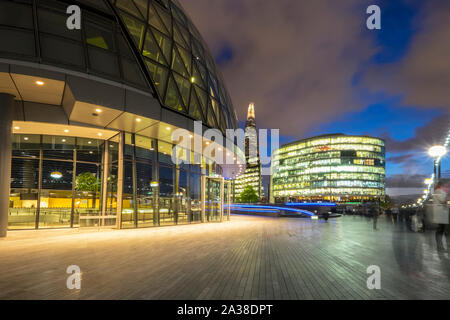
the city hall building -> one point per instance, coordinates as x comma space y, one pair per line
87, 115
336, 167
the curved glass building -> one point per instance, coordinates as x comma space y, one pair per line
92, 108
333, 167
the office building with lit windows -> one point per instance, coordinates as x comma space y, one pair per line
335, 167
86, 116
252, 174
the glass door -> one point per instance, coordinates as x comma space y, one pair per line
97, 207
213, 199
226, 200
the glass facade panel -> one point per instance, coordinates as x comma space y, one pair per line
50, 22
56, 194
159, 75
89, 150
151, 49
132, 73
17, 42
58, 147
195, 188
185, 88
87, 200
136, 29
59, 182
182, 197
146, 194
213, 203
16, 15
23, 199
111, 184
62, 51
104, 62
146, 190
166, 195
99, 37
173, 98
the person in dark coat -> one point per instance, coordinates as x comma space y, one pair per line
375, 214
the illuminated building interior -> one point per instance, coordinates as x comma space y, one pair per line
331, 167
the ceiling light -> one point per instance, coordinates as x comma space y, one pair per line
138, 119
89, 142
66, 130
98, 110
168, 128
56, 175
63, 140
40, 83
26, 138
99, 134
16, 128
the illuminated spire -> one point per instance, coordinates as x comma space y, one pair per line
251, 111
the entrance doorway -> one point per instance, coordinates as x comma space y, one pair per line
213, 199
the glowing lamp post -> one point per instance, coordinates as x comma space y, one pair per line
437, 152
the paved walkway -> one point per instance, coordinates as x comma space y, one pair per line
247, 258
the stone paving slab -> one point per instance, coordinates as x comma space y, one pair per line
246, 258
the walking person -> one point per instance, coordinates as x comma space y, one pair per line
375, 214
326, 215
441, 214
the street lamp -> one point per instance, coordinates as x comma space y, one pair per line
437, 152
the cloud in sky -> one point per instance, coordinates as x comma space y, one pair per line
424, 136
295, 59
309, 64
406, 181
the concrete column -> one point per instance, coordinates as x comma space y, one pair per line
6, 118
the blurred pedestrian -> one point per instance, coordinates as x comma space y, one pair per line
375, 214
441, 213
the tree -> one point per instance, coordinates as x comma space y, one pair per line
249, 195
388, 202
87, 182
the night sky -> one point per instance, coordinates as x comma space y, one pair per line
312, 67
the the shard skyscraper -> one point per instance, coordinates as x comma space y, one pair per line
252, 174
